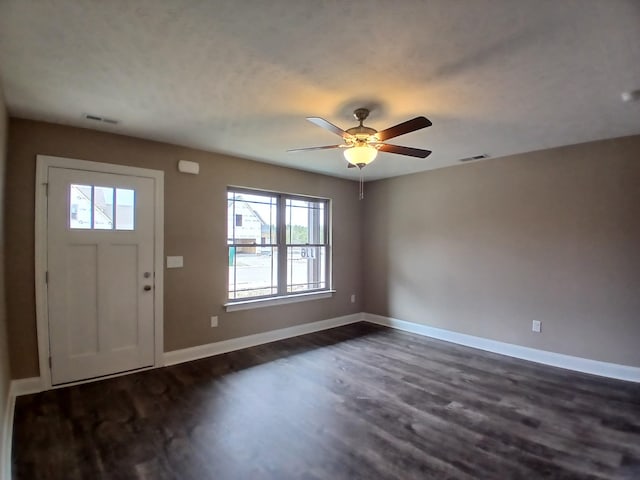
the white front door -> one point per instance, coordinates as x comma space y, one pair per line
100, 269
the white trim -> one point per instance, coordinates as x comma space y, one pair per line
569, 362
5, 442
282, 300
26, 386
224, 346
103, 377
23, 386
43, 162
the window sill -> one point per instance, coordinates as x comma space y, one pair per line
273, 301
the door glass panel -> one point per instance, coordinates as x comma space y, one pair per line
99, 208
125, 209
103, 208
80, 200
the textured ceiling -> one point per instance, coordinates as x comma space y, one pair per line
494, 76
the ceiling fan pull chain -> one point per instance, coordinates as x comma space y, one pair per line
361, 184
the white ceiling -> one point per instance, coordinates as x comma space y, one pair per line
494, 76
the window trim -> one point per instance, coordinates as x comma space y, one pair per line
282, 296
259, 302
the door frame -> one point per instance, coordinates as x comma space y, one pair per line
43, 162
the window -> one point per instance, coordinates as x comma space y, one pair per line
280, 246
92, 207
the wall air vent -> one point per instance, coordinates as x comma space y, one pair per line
475, 157
96, 118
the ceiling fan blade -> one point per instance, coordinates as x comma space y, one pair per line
412, 152
350, 165
321, 122
326, 147
404, 127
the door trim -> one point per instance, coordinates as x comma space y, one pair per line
43, 162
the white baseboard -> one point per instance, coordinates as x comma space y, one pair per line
569, 362
224, 346
23, 386
7, 434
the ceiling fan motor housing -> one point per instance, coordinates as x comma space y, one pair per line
361, 134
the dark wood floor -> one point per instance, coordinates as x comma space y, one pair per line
359, 401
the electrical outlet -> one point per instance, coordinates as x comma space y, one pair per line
214, 321
536, 326
353, 298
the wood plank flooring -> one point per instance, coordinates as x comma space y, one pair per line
355, 402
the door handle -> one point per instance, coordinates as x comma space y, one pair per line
147, 288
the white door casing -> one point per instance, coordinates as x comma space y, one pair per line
98, 312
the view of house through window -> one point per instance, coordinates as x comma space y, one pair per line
278, 244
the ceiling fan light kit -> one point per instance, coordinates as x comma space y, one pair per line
361, 155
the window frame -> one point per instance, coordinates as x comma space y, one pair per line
281, 246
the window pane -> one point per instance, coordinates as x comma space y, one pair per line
125, 209
251, 219
305, 222
306, 268
102, 208
80, 199
253, 272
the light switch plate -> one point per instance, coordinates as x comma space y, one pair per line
175, 262
536, 326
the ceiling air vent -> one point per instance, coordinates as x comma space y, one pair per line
96, 118
475, 157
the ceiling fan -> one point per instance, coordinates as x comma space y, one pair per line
362, 143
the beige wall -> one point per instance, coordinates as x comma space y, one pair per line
485, 248
481, 248
5, 376
195, 227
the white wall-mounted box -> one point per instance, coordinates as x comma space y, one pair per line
186, 166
